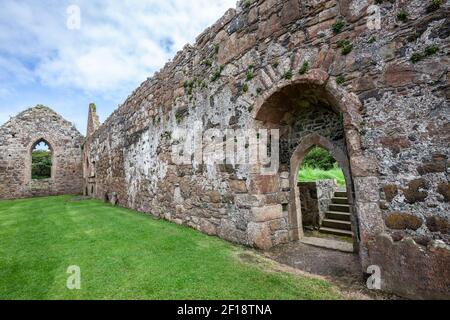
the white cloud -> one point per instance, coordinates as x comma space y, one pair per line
119, 45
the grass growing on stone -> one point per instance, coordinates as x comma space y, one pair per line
310, 174
126, 255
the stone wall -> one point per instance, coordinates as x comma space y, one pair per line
315, 197
18, 137
388, 86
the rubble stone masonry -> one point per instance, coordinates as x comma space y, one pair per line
323, 72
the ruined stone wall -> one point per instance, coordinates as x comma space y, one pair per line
18, 137
396, 131
315, 197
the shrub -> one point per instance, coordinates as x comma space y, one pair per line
319, 158
287, 75
305, 67
338, 26
340, 79
402, 15
346, 46
245, 88
434, 5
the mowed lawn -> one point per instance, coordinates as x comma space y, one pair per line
127, 255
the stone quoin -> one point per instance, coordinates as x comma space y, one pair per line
375, 97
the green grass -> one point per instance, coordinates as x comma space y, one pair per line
310, 174
126, 255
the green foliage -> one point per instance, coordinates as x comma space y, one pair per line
340, 79
245, 88
41, 164
304, 68
250, 74
189, 86
428, 51
319, 158
431, 50
403, 15
378, 1
217, 73
128, 255
338, 26
310, 174
247, 3
259, 90
93, 107
372, 40
434, 5
346, 46
288, 75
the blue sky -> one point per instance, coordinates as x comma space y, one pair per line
119, 44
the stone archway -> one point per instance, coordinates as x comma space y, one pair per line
295, 214
268, 112
30, 148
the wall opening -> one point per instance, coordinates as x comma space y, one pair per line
41, 160
311, 113
326, 212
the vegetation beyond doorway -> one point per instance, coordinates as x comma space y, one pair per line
320, 165
41, 161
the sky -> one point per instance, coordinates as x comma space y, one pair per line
48, 56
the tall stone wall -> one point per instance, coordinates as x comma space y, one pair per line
390, 84
18, 137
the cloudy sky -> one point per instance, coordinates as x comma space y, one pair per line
118, 45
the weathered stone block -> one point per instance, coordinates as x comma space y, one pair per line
403, 221
266, 213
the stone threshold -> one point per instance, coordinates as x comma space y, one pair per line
328, 244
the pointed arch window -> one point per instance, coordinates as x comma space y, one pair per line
41, 160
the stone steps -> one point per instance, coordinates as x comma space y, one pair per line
337, 219
336, 232
339, 207
337, 224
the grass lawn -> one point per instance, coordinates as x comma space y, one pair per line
309, 174
126, 255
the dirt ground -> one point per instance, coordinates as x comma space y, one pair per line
341, 268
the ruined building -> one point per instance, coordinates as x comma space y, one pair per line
368, 82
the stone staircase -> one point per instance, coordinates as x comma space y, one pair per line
337, 218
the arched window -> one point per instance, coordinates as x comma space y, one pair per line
41, 160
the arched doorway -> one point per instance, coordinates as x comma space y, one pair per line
312, 110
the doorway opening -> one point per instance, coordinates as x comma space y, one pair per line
41, 161
324, 200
